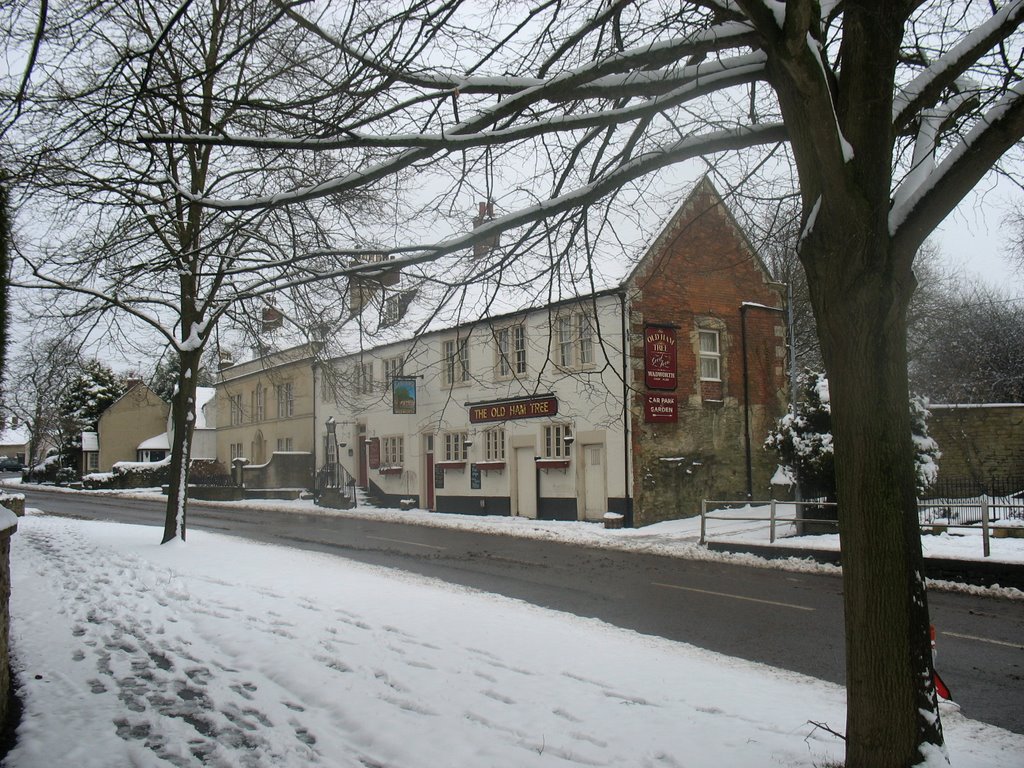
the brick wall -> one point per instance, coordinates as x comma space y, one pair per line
697, 275
978, 442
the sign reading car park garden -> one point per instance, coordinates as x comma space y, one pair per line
507, 410
660, 408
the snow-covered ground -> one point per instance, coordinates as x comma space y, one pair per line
225, 652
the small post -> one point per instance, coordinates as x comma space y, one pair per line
703, 520
984, 526
772, 518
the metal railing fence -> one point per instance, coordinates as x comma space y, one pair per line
936, 516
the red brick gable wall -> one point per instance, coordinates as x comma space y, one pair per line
697, 275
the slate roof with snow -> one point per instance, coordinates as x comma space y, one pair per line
155, 443
14, 436
462, 289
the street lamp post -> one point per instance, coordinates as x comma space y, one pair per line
332, 458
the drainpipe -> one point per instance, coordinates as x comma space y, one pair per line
625, 414
312, 367
746, 390
746, 403
791, 321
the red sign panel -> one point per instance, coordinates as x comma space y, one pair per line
507, 410
660, 408
660, 357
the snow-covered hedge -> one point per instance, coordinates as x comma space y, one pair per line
803, 441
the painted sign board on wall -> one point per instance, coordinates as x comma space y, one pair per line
660, 357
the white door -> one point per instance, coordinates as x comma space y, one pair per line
526, 483
594, 482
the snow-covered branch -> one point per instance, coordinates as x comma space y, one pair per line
932, 196
926, 88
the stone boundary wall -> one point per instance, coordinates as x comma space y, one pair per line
978, 442
284, 470
5, 607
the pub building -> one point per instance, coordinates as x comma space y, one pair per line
644, 388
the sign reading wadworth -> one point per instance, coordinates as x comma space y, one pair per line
660, 357
507, 410
660, 408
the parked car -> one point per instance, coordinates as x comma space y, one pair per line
8, 464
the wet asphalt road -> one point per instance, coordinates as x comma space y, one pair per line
784, 619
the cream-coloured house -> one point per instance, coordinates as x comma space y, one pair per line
630, 384
137, 416
14, 441
265, 406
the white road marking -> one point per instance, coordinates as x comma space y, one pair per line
403, 541
1018, 646
734, 597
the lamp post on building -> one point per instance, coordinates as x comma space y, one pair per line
332, 452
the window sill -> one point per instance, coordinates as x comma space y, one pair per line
491, 466
389, 470
552, 463
449, 465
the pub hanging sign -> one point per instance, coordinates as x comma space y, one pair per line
660, 357
403, 395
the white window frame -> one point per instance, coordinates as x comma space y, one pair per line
391, 310
455, 448
585, 346
712, 357
392, 450
363, 375
93, 461
494, 444
455, 360
235, 406
285, 400
555, 446
564, 335
510, 343
574, 340
236, 451
259, 409
285, 445
394, 368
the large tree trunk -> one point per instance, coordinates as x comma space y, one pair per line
183, 416
892, 716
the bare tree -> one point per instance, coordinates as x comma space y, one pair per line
37, 381
891, 113
126, 237
970, 347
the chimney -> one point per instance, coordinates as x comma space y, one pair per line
485, 214
272, 318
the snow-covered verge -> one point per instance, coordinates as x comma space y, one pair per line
231, 653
